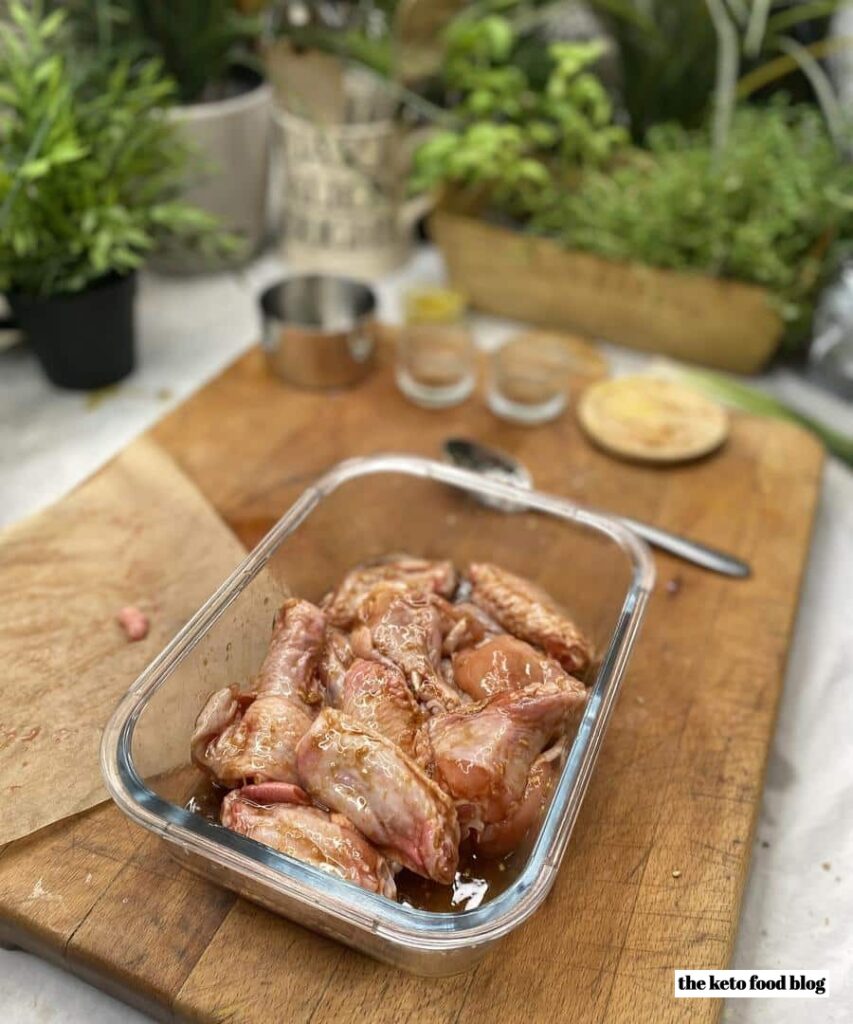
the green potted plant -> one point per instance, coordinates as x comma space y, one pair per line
223, 104
707, 244
90, 171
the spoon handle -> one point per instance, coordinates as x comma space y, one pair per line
690, 550
474, 456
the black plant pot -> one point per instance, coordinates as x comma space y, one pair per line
84, 340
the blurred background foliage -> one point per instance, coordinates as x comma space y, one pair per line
646, 130
666, 53
752, 185
202, 44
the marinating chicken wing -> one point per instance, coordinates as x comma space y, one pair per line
276, 793
290, 666
366, 777
530, 614
404, 629
504, 663
415, 574
239, 740
462, 625
377, 696
335, 658
502, 837
408, 712
326, 841
481, 754
222, 709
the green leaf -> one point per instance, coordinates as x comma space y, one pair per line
8, 95
47, 70
500, 36
21, 16
34, 169
53, 23
66, 152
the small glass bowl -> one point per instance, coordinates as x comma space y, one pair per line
436, 358
529, 379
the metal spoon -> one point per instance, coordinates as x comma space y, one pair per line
472, 455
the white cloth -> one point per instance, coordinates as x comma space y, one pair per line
798, 911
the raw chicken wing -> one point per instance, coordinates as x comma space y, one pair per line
276, 793
366, 777
335, 659
377, 696
325, 841
462, 625
504, 663
290, 666
502, 837
415, 574
530, 614
404, 629
220, 711
482, 753
239, 740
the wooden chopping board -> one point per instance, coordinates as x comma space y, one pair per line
655, 871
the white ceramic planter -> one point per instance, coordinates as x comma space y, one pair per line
232, 138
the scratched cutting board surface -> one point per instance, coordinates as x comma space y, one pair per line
655, 871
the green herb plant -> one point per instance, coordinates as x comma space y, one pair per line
672, 52
89, 167
521, 143
764, 210
760, 202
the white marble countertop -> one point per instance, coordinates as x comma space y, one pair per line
798, 911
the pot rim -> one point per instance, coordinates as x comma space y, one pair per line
112, 279
267, 302
256, 96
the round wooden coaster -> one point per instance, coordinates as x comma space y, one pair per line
651, 419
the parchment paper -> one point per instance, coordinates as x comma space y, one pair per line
137, 533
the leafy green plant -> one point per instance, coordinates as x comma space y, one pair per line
676, 54
89, 167
199, 42
765, 210
759, 194
520, 142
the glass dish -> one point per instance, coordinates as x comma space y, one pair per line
361, 510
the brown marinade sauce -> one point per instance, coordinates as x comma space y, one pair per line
477, 881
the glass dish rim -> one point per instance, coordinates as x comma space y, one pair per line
291, 879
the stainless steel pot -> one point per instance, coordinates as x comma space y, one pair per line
317, 330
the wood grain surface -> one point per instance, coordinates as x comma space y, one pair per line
654, 873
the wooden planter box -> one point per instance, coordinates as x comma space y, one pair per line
724, 324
